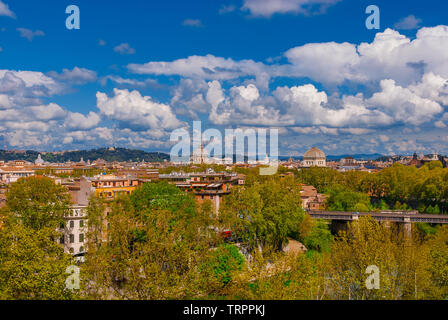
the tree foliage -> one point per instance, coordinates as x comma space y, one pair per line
226, 259
342, 199
154, 244
420, 189
401, 263
265, 213
38, 202
159, 244
32, 263
319, 238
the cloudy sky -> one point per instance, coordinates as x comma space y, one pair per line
137, 70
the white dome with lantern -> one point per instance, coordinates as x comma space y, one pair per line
314, 158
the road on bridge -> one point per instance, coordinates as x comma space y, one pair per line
394, 216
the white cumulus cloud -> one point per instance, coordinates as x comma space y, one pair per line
266, 8
137, 112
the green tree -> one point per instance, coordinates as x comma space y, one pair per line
320, 237
38, 202
264, 214
155, 242
383, 205
226, 259
402, 264
162, 196
341, 199
321, 178
438, 263
274, 275
32, 263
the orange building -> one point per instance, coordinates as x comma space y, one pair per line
110, 187
204, 186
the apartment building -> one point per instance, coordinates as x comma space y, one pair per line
148, 174
10, 175
207, 185
109, 187
74, 231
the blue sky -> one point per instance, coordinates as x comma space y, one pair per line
137, 70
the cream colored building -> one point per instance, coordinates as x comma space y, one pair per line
314, 158
12, 174
74, 232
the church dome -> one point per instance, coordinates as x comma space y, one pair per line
314, 153
39, 160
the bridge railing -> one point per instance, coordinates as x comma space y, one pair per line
394, 216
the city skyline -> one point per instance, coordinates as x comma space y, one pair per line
131, 75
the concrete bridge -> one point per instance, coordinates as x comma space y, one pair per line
392, 216
403, 219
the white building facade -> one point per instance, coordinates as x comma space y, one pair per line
11, 175
314, 158
74, 231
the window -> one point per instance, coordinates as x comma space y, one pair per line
72, 224
62, 240
72, 250
81, 237
81, 223
81, 249
72, 238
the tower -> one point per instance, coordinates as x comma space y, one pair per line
200, 155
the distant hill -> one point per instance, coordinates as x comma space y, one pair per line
397, 157
339, 157
123, 154
117, 154
361, 156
